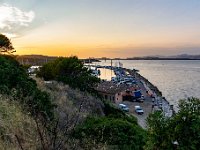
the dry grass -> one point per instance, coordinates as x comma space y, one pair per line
16, 127
73, 106
71, 101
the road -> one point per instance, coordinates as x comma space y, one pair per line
146, 105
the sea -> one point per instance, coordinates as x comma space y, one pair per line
176, 79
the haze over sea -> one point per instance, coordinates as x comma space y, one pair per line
176, 79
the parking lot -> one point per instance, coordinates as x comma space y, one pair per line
146, 106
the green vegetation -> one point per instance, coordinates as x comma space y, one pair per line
5, 45
17, 128
69, 71
15, 81
35, 115
110, 132
82, 122
116, 130
113, 112
183, 128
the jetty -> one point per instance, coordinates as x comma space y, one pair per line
122, 89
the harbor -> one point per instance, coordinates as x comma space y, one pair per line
128, 87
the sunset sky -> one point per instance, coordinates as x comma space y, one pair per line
102, 28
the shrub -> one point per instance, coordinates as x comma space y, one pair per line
114, 132
70, 71
113, 112
183, 127
16, 82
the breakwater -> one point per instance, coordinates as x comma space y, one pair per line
154, 97
157, 97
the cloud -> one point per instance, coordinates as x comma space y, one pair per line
12, 17
10, 35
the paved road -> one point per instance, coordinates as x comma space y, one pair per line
146, 105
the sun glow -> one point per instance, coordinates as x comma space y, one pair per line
98, 29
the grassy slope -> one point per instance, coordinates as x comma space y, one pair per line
72, 101
15, 123
72, 108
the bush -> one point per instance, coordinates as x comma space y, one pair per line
16, 127
16, 82
70, 71
114, 132
113, 112
183, 127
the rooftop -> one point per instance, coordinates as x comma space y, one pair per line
112, 88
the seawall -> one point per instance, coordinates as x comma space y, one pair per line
160, 101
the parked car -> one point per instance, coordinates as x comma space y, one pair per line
141, 99
139, 110
124, 107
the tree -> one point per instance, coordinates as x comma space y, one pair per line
159, 134
15, 81
186, 124
5, 45
116, 133
70, 71
182, 128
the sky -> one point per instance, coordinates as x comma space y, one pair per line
102, 28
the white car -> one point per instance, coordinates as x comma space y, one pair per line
124, 107
139, 110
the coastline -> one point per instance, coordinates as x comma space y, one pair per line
166, 107
153, 97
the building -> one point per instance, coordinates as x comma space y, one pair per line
116, 93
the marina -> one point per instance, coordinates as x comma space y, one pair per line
176, 79
128, 87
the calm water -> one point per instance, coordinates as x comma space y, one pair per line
106, 74
176, 79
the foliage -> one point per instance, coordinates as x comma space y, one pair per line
69, 71
182, 128
17, 128
72, 107
116, 130
5, 44
26, 66
15, 81
159, 132
113, 132
113, 112
186, 124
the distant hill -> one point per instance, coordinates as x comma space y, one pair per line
174, 57
39, 60
187, 56
34, 59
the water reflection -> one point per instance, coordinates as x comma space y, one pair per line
106, 74
176, 79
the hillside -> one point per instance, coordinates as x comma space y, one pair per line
71, 103
51, 115
17, 128
38, 114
